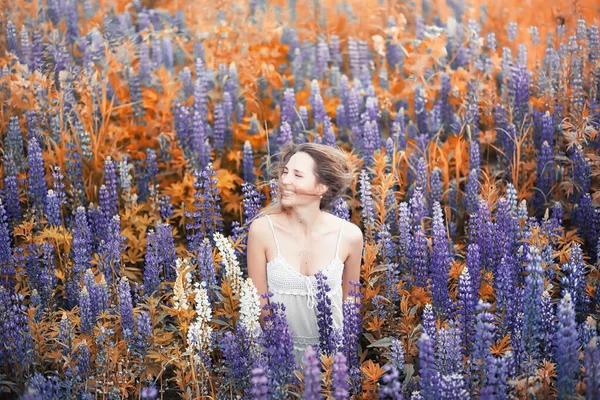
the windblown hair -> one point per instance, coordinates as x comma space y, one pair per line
331, 168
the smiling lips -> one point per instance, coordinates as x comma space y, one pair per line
288, 193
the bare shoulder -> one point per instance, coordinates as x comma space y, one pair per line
353, 233
258, 227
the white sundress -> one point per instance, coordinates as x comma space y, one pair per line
297, 292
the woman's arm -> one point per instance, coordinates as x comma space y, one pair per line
354, 260
256, 260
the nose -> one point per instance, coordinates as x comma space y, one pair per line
286, 180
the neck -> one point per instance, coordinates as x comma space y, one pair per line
304, 219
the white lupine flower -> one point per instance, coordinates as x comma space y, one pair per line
183, 284
200, 331
249, 305
232, 267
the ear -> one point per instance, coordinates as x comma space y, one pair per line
322, 189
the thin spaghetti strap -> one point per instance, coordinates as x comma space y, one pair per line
337, 246
273, 230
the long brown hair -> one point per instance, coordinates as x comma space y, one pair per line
331, 168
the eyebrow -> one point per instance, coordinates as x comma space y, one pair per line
297, 170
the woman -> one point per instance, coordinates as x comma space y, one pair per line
293, 238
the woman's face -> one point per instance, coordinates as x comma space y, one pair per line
298, 181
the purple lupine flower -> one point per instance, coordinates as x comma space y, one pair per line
593, 43
449, 354
548, 324
452, 387
467, 302
278, 348
366, 200
248, 163
519, 88
126, 309
110, 181
144, 64
420, 110
328, 133
13, 141
581, 172
592, 370
545, 175
52, 209
11, 191
340, 377
445, 106
494, 387
110, 250
353, 109
340, 209
148, 392
436, 186
141, 339
351, 332
12, 43
428, 369
166, 208
238, 358
167, 54
285, 135
83, 360
98, 294
302, 123
312, 375
390, 387
135, 95
75, 174
396, 355
428, 322
252, 200
534, 287
404, 236
38, 187
418, 206
370, 141
219, 128
484, 338
327, 344
206, 219
567, 348
481, 231
41, 387
17, 349
440, 262
260, 387
418, 257
82, 241
471, 192
288, 107
473, 261
85, 311
573, 280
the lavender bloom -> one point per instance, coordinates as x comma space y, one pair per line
390, 387
471, 192
567, 345
126, 309
252, 200
512, 31
370, 141
38, 186
428, 322
135, 95
450, 354
40, 387
159, 259
396, 355
418, 206
260, 386
495, 380
110, 250
548, 324
440, 262
592, 370
166, 208
420, 110
328, 133
340, 377
436, 186
519, 89
582, 171
83, 360
428, 370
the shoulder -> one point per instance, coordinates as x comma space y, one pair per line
351, 232
259, 226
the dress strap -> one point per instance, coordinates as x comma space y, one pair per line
273, 230
337, 246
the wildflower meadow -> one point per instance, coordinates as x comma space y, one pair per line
136, 143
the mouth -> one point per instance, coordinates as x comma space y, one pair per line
287, 193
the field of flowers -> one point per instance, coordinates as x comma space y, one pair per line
137, 139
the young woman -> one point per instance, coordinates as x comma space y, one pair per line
293, 238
